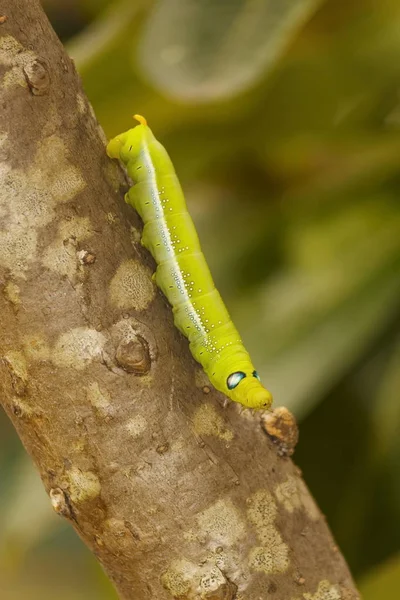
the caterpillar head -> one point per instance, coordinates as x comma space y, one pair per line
244, 386
127, 145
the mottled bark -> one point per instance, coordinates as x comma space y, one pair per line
177, 496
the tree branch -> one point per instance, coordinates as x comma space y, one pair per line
176, 496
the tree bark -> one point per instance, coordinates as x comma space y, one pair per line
177, 496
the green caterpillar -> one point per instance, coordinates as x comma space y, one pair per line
182, 273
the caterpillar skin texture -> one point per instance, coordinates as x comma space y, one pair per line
182, 273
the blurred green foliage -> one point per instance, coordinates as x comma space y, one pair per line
288, 146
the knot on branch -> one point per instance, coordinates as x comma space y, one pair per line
281, 427
133, 355
221, 590
86, 258
60, 503
37, 77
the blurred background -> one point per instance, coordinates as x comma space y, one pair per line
283, 120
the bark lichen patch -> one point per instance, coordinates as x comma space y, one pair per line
14, 55
262, 509
294, 495
221, 523
28, 200
178, 577
131, 286
287, 493
269, 560
325, 591
15, 76
65, 180
208, 422
61, 259
272, 556
100, 399
17, 249
61, 255
78, 347
227, 559
186, 581
214, 586
10, 48
82, 485
136, 426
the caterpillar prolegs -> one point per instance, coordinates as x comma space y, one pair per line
182, 273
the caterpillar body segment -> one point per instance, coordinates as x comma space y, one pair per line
182, 273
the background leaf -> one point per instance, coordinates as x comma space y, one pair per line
200, 50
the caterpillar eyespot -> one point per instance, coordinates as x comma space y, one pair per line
182, 273
234, 379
